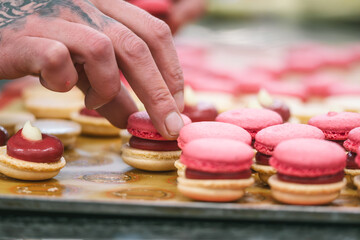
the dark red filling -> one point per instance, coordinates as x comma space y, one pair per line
90, 113
340, 142
195, 174
281, 108
201, 112
49, 149
153, 145
350, 161
337, 177
3, 136
262, 159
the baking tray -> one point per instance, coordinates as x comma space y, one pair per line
96, 181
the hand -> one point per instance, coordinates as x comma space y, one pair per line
184, 11
83, 43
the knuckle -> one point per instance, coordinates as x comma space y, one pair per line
161, 31
100, 47
109, 92
56, 55
176, 75
160, 97
134, 47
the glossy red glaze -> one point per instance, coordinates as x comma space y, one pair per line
262, 159
47, 150
281, 108
195, 174
90, 113
350, 161
3, 136
203, 111
153, 145
337, 177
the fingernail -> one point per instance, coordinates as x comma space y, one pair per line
173, 123
179, 99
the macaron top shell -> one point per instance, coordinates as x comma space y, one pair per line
199, 130
353, 142
336, 126
252, 120
140, 125
308, 158
268, 138
217, 155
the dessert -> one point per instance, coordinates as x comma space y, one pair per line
3, 136
125, 136
267, 139
10, 119
216, 171
276, 105
147, 149
252, 120
217, 130
66, 131
93, 124
309, 171
336, 126
44, 103
202, 111
31, 155
351, 145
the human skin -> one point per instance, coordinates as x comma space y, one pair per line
85, 43
184, 11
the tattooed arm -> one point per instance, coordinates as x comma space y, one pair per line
84, 43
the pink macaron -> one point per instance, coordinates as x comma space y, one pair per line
252, 120
353, 142
213, 155
140, 125
308, 158
217, 130
336, 126
268, 138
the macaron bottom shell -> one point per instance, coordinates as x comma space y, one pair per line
264, 172
350, 174
224, 190
304, 194
149, 160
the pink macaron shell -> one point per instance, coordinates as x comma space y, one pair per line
353, 142
336, 126
286, 89
252, 120
308, 158
320, 84
268, 138
217, 155
212, 130
341, 89
140, 125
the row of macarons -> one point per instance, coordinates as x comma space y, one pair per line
261, 128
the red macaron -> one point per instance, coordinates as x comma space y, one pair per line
309, 171
217, 130
336, 126
252, 120
140, 125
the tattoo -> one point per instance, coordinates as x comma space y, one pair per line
13, 10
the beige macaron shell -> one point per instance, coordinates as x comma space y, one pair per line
149, 160
304, 194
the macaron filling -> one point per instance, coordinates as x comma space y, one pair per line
47, 150
279, 107
196, 174
201, 112
262, 159
325, 179
350, 161
90, 113
153, 145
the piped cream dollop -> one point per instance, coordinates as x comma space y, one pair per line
265, 98
31, 133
